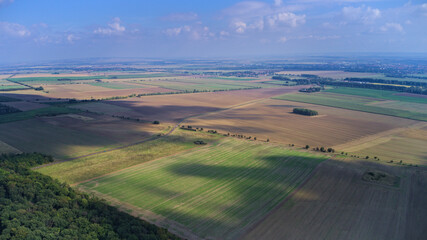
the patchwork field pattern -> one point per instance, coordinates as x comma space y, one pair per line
174, 108
354, 102
216, 191
273, 119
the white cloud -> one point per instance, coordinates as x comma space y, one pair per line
177, 31
113, 28
196, 32
260, 16
239, 26
14, 29
392, 26
71, 38
287, 18
366, 15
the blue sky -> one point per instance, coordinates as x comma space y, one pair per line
33, 30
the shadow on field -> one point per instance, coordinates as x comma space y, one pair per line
165, 112
67, 136
252, 191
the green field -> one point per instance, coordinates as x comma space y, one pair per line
381, 94
350, 102
9, 87
408, 106
47, 111
114, 85
97, 165
66, 79
208, 86
216, 191
234, 78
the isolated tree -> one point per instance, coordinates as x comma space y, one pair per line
268, 140
307, 146
367, 157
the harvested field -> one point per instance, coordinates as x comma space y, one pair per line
116, 85
174, 108
274, 119
216, 191
90, 167
337, 204
65, 137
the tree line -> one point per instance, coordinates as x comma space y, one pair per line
417, 88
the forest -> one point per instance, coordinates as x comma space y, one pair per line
34, 206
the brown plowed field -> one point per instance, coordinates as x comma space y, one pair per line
274, 119
179, 106
337, 204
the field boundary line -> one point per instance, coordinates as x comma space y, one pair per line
283, 202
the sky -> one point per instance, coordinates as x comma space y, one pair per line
39, 30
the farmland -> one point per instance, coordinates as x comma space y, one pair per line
67, 136
273, 119
352, 103
388, 95
337, 204
46, 111
213, 150
249, 178
94, 166
174, 108
113, 85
